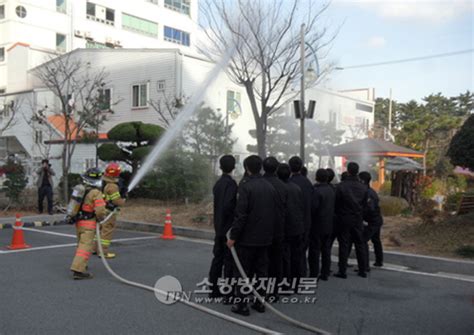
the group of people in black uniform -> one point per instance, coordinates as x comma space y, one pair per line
282, 225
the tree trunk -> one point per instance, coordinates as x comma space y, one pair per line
425, 152
260, 121
65, 181
261, 145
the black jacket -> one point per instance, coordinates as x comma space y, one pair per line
322, 209
281, 205
307, 189
294, 222
351, 200
255, 213
225, 198
372, 213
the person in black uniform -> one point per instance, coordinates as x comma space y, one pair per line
331, 176
374, 218
225, 198
306, 187
351, 200
275, 252
245, 176
294, 227
322, 216
252, 229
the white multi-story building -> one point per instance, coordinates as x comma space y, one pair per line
51, 27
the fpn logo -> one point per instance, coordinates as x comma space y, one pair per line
168, 290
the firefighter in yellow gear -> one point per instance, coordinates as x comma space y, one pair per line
92, 210
114, 200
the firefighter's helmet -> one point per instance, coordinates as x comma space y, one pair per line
113, 170
92, 177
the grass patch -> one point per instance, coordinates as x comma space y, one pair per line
447, 236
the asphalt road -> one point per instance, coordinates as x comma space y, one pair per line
38, 296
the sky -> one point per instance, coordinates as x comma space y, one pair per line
382, 30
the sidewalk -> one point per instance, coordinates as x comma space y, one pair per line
33, 220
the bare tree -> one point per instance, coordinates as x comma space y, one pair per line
266, 38
8, 114
42, 130
167, 106
79, 88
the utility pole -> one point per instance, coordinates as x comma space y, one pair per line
390, 114
302, 107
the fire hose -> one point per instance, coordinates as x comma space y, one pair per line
200, 307
268, 305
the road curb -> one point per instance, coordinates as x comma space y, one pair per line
157, 228
34, 224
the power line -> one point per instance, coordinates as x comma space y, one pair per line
406, 60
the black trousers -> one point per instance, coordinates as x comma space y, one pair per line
372, 233
292, 255
352, 231
275, 257
222, 263
254, 261
45, 191
320, 247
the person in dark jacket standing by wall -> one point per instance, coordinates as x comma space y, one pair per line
293, 228
374, 218
275, 253
322, 216
225, 198
296, 164
351, 200
45, 186
252, 229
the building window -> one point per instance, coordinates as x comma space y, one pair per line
333, 118
176, 36
140, 95
100, 14
38, 137
20, 11
233, 104
161, 85
2, 55
2, 12
138, 25
109, 15
364, 108
90, 9
89, 163
182, 6
61, 6
105, 99
60, 42
2, 91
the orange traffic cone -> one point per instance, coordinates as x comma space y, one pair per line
168, 230
18, 240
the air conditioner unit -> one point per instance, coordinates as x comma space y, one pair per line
78, 33
88, 35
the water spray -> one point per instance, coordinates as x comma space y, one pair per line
182, 119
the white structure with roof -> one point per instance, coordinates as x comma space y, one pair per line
138, 76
